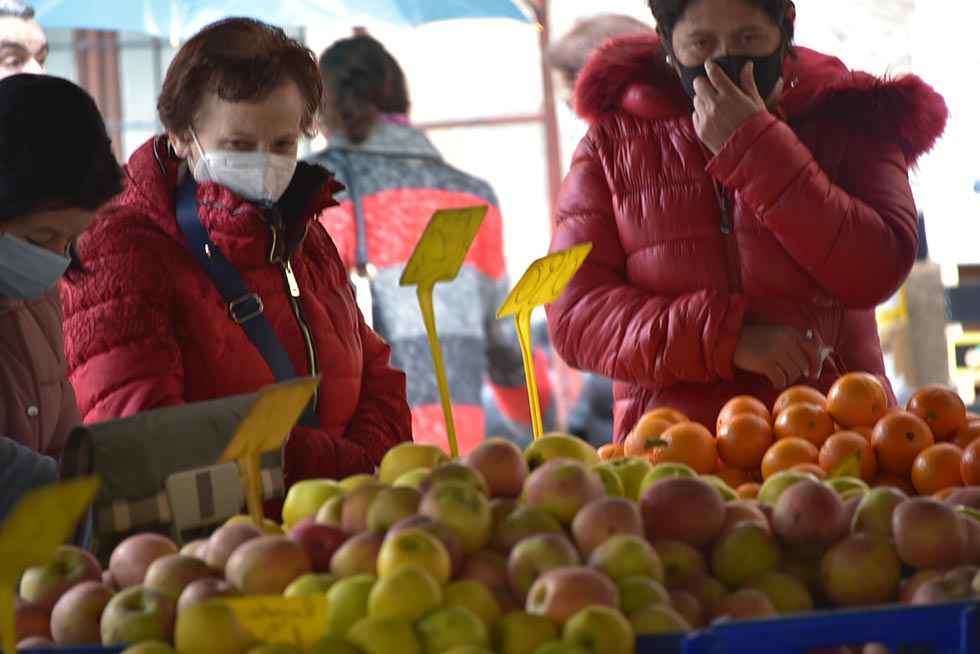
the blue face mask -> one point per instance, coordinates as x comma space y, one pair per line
26, 270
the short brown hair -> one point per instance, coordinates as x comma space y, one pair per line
570, 53
242, 60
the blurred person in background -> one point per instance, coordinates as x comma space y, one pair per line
56, 169
748, 203
220, 196
23, 45
395, 180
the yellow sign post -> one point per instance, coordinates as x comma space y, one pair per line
437, 258
265, 429
293, 621
542, 284
43, 520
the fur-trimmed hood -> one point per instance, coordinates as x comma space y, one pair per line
630, 74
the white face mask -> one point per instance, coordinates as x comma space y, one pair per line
255, 176
26, 270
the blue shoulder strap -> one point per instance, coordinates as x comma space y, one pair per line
244, 306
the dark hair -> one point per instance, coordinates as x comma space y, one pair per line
16, 9
569, 54
669, 12
54, 149
242, 60
360, 81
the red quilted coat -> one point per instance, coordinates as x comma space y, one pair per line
820, 226
145, 326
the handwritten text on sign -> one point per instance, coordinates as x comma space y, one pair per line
545, 280
296, 621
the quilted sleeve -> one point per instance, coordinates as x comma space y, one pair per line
604, 324
860, 226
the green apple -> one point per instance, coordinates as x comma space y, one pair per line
726, 491
658, 620
664, 471
612, 482
137, 614
522, 633
561, 647
269, 648
407, 593
471, 594
306, 497
463, 508
409, 456
745, 551
682, 562
523, 522
853, 492
332, 645
150, 647
332, 512
559, 446
311, 585
626, 555
211, 628
788, 594
392, 505
772, 488
442, 630
848, 486
415, 547
636, 593
874, 512
412, 478
356, 481
632, 472
601, 630
348, 602
374, 636
455, 471
469, 649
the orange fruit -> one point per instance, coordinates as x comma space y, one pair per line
895, 481
970, 465
845, 444
941, 408
666, 413
743, 440
742, 404
611, 451
857, 399
897, 439
805, 420
687, 442
748, 491
813, 468
967, 435
864, 431
936, 468
798, 395
644, 436
732, 476
786, 453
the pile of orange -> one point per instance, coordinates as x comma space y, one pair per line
929, 448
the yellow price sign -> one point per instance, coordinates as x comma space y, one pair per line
542, 284
438, 257
41, 521
295, 621
265, 429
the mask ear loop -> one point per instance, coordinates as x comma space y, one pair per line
200, 150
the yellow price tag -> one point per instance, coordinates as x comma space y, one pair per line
438, 256
542, 284
41, 521
295, 621
265, 429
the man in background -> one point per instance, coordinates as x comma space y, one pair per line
23, 45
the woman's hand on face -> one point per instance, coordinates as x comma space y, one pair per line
782, 354
721, 107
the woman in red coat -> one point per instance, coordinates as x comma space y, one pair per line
145, 323
748, 203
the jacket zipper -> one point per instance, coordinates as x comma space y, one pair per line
727, 227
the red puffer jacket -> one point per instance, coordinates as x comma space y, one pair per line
821, 226
145, 326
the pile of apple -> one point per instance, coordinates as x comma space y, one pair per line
549, 551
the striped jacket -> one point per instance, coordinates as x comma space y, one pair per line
400, 180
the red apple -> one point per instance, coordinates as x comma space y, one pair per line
226, 540
684, 509
603, 518
267, 565
438, 529
502, 464
809, 512
32, 621
968, 496
561, 593
34, 642
132, 558
358, 555
534, 556
319, 541
747, 604
171, 574
743, 511
928, 534
77, 615
562, 487
45, 584
489, 568
911, 585
688, 606
203, 590
861, 570
953, 586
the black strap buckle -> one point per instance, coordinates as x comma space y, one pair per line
246, 308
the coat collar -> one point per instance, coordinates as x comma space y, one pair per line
388, 138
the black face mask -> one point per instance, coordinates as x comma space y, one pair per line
768, 70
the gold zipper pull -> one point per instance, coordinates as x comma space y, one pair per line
291, 278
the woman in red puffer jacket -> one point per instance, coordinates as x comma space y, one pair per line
740, 245
145, 324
